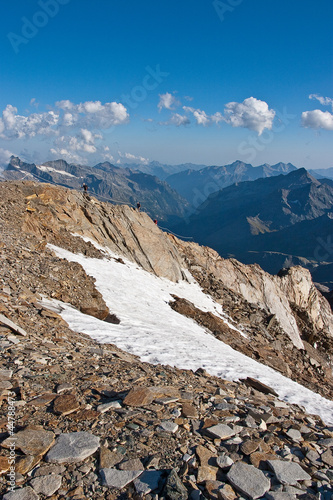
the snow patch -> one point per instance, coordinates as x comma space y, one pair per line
44, 168
152, 330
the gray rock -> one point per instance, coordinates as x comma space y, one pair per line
220, 431
174, 488
280, 495
6, 373
132, 464
224, 462
168, 426
48, 469
248, 480
63, 387
288, 472
108, 406
114, 478
314, 457
73, 447
26, 493
148, 481
46, 485
295, 435
327, 443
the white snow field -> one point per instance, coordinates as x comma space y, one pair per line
150, 329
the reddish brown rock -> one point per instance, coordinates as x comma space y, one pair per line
66, 404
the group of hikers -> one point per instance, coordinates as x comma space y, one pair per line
138, 205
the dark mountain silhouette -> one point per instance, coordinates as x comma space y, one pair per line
275, 221
197, 185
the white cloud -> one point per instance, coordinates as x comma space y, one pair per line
177, 119
14, 126
4, 157
131, 157
67, 155
201, 117
167, 101
87, 115
324, 101
251, 113
217, 117
317, 119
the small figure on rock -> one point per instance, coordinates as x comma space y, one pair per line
138, 206
155, 222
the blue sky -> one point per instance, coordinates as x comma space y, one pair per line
205, 82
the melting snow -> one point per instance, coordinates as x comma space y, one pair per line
152, 330
44, 168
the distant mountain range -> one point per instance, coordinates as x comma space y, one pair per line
160, 170
276, 222
322, 173
107, 182
197, 185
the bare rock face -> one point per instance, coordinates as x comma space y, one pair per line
255, 285
52, 209
297, 284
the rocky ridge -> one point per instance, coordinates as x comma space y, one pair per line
94, 422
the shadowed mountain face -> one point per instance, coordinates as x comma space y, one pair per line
275, 222
107, 182
197, 185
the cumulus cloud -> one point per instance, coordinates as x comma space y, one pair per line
15, 126
4, 158
201, 117
66, 115
252, 113
324, 101
167, 101
317, 119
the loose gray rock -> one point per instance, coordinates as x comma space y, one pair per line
46, 485
174, 488
295, 435
224, 462
73, 447
327, 443
108, 406
248, 480
48, 469
280, 495
114, 478
132, 464
148, 481
220, 431
168, 426
26, 493
288, 472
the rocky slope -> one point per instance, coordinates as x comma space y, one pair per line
108, 182
94, 422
